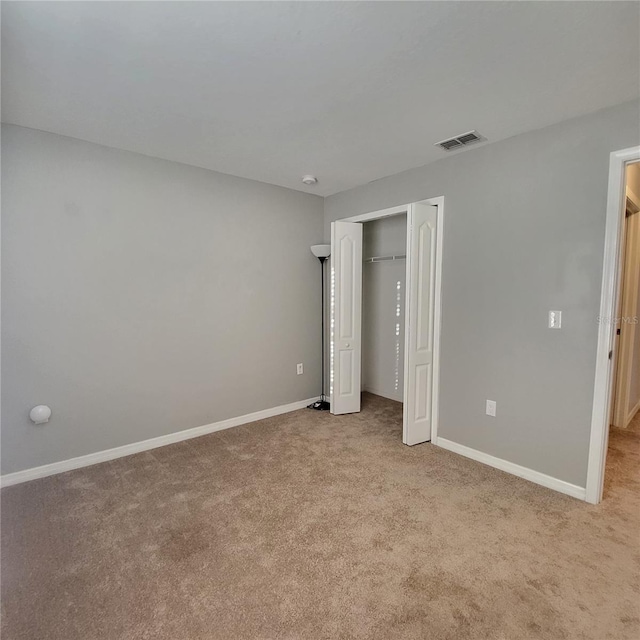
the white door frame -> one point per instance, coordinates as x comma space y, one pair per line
437, 318
609, 296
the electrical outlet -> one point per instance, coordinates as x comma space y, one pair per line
300, 369
491, 408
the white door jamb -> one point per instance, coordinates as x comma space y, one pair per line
608, 305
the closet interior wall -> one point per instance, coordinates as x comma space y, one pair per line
383, 301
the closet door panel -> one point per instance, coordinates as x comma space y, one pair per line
419, 319
346, 316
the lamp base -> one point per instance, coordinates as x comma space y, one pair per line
320, 405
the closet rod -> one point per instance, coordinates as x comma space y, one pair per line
383, 258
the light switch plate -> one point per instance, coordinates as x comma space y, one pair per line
491, 408
555, 319
299, 369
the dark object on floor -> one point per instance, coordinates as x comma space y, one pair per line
320, 405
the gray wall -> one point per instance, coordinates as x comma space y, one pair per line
523, 234
383, 296
142, 297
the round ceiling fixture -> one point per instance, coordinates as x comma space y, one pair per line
309, 179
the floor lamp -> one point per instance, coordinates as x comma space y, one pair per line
322, 252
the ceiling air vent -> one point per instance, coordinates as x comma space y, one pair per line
460, 141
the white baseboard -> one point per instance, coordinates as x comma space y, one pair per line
632, 414
145, 445
522, 472
382, 394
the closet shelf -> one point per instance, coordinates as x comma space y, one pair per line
384, 258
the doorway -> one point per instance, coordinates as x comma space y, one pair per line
422, 295
615, 352
625, 402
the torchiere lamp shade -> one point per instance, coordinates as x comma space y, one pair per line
321, 250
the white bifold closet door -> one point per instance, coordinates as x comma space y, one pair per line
419, 323
346, 315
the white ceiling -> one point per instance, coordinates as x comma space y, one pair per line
347, 91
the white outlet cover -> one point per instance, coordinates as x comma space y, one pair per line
491, 408
300, 369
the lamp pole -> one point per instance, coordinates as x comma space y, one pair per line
321, 252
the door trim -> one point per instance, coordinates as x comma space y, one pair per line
438, 202
608, 304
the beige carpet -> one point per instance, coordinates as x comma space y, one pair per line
309, 526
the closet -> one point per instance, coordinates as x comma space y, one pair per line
384, 266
